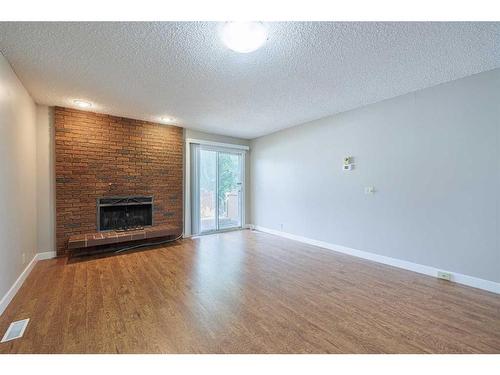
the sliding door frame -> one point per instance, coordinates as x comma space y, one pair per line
191, 179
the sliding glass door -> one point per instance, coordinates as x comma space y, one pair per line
208, 190
218, 189
229, 190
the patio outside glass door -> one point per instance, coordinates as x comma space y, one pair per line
220, 190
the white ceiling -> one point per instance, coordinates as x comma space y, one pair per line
304, 71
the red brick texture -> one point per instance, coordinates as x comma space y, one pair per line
101, 156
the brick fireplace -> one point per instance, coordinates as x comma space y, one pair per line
99, 156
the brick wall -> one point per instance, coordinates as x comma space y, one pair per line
100, 155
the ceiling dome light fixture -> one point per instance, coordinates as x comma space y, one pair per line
82, 103
244, 37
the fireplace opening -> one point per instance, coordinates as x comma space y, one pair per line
124, 213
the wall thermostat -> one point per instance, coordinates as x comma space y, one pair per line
348, 163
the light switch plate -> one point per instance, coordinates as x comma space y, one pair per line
369, 190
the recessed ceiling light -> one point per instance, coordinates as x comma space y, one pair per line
82, 103
167, 119
244, 37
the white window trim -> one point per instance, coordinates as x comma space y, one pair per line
217, 144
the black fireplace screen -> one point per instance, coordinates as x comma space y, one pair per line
124, 213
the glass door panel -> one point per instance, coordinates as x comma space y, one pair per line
207, 190
229, 190
217, 193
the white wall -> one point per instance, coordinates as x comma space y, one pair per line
18, 205
433, 157
46, 236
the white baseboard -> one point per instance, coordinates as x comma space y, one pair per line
46, 255
7, 298
459, 278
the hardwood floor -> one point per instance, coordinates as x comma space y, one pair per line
246, 292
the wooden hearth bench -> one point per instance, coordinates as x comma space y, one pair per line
82, 241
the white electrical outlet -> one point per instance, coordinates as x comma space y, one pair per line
369, 190
24, 258
15, 330
444, 275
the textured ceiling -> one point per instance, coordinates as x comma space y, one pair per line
304, 71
